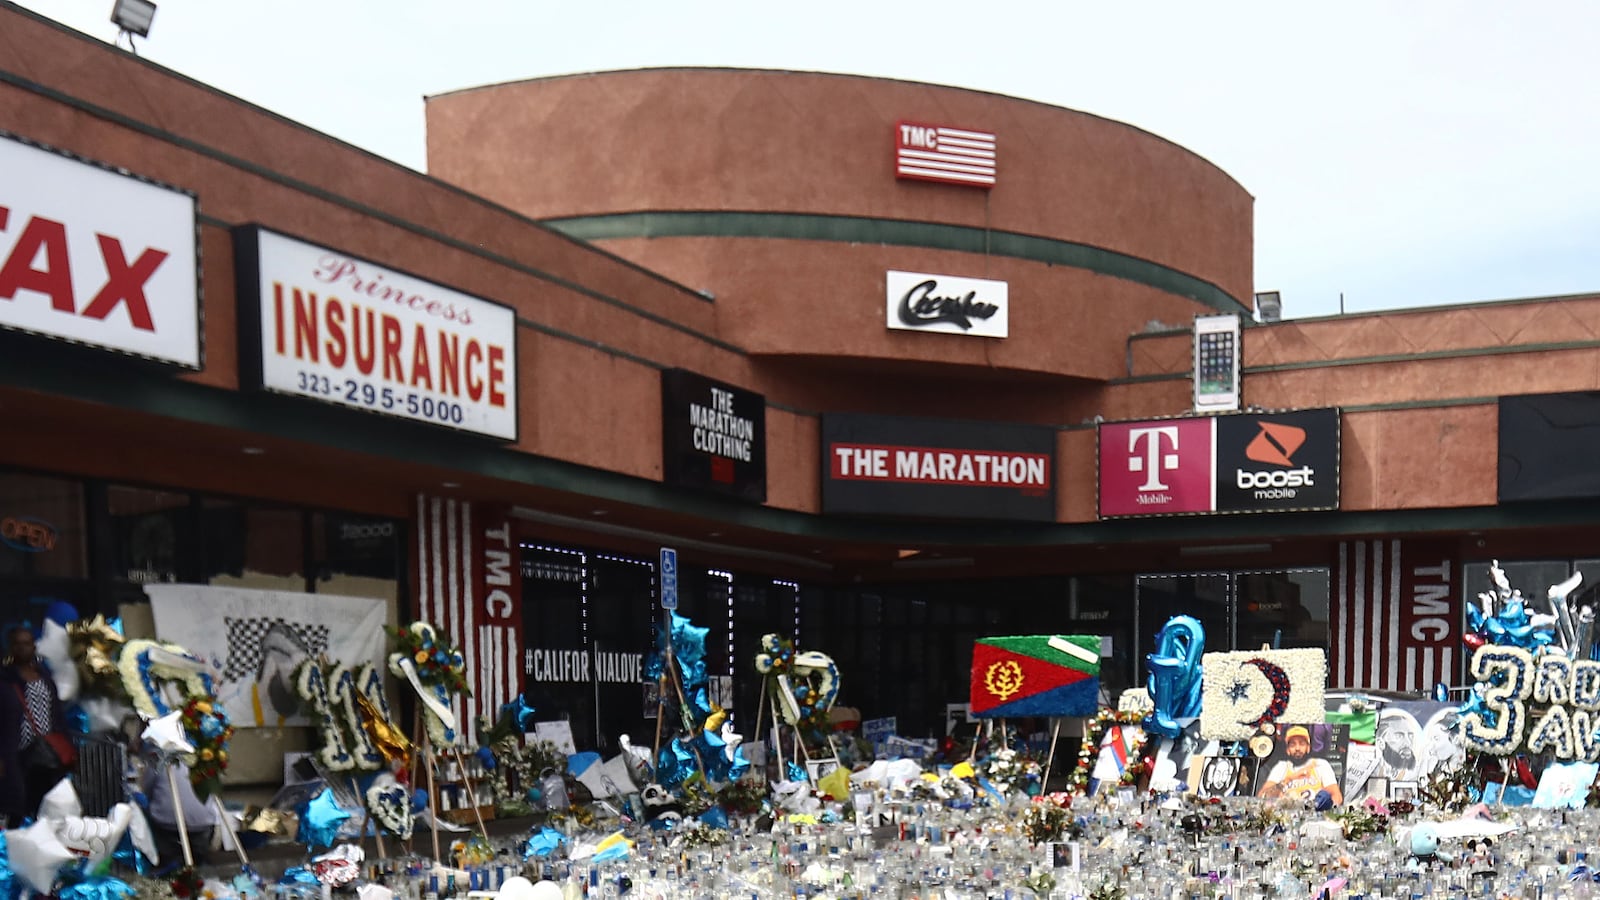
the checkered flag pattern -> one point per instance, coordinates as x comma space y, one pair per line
244, 643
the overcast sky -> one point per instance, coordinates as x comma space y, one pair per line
1403, 154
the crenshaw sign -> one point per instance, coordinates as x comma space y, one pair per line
97, 257
920, 302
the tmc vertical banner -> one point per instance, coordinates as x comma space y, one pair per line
1397, 615
469, 585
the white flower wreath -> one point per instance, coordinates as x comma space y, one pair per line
146, 666
391, 806
310, 684
1243, 689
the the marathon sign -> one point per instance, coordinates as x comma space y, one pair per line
97, 257
1258, 462
883, 465
329, 326
713, 436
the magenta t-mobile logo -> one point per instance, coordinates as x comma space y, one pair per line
1154, 460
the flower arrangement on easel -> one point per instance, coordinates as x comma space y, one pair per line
436, 670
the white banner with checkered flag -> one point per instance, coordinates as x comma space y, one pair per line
254, 639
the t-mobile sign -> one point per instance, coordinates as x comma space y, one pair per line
1157, 468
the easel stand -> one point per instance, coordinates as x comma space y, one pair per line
233, 836
366, 816
177, 812
1044, 777
433, 797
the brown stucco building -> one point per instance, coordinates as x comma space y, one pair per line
637, 245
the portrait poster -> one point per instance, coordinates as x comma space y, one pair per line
1215, 776
1300, 775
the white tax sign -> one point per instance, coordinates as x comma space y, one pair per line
945, 303
343, 330
97, 257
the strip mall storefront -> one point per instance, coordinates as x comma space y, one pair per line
872, 405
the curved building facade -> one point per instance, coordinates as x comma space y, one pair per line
780, 323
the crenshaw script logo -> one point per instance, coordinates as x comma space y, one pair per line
920, 306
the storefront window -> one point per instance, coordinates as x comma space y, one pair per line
1285, 609
1532, 577
1203, 595
42, 531
43, 556
356, 556
553, 620
152, 541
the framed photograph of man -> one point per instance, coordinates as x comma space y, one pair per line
1305, 761
1222, 776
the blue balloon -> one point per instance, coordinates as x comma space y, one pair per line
320, 820
1174, 682
543, 842
486, 757
61, 612
99, 887
419, 800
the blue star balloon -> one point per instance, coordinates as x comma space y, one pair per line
320, 820
543, 842
99, 887
525, 714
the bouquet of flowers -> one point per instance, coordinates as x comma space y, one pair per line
437, 660
208, 729
1049, 818
1009, 769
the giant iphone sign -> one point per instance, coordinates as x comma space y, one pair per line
97, 257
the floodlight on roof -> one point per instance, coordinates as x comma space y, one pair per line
133, 17
1269, 306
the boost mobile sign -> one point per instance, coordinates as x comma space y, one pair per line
1260, 462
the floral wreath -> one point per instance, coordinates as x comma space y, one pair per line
311, 686
803, 705
1093, 730
146, 666
438, 672
1005, 768
390, 804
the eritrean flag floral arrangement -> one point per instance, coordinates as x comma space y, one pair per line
209, 730
438, 662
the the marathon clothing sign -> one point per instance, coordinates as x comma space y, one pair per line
97, 257
884, 465
713, 436
1548, 446
1258, 462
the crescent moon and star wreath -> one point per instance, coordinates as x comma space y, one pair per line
1246, 690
